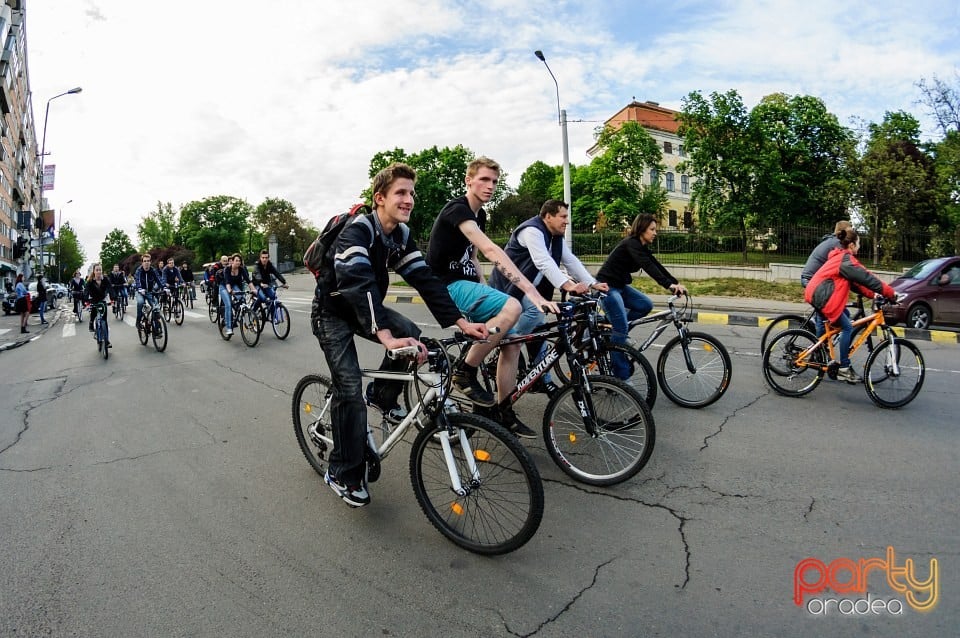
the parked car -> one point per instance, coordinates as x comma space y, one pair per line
10, 299
932, 290
60, 289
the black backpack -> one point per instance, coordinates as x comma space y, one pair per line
319, 255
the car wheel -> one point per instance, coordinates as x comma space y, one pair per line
919, 317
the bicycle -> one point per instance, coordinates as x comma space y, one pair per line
152, 324
213, 302
796, 361
596, 428
172, 306
807, 322
101, 330
273, 311
119, 303
475, 483
186, 293
78, 305
693, 369
243, 317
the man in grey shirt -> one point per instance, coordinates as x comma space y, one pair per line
819, 255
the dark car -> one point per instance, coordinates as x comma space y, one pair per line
932, 290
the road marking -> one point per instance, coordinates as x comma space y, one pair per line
69, 329
4, 331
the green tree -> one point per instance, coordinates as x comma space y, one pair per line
69, 252
158, 229
538, 181
279, 218
897, 187
216, 225
115, 248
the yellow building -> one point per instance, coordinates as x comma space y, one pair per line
661, 123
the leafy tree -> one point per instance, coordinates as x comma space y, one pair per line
538, 181
115, 248
279, 218
215, 226
158, 229
70, 254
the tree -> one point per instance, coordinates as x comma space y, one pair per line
943, 102
115, 248
538, 181
215, 226
279, 218
158, 229
70, 255
896, 186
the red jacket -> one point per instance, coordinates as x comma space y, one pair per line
829, 289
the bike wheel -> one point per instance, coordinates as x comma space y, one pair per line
158, 330
121, 309
103, 337
311, 420
501, 504
213, 311
785, 371
178, 312
785, 322
711, 373
167, 311
624, 437
281, 321
894, 389
142, 333
222, 327
249, 327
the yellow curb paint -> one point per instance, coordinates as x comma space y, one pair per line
712, 318
942, 336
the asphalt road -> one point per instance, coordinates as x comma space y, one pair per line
164, 495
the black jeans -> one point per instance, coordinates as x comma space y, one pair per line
348, 411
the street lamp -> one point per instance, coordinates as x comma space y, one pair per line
562, 118
43, 187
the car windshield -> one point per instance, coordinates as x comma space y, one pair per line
922, 270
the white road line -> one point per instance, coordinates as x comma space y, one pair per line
69, 329
4, 331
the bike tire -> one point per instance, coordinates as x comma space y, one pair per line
222, 327
142, 334
311, 420
642, 377
883, 387
703, 386
213, 312
281, 322
784, 372
249, 327
178, 312
621, 447
158, 330
103, 337
785, 322
503, 506
167, 311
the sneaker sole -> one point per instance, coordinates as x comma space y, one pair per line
344, 497
525, 434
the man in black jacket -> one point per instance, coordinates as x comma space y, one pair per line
263, 273
353, 305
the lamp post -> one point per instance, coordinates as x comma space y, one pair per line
43, 156
562, 119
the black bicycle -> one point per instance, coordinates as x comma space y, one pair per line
152, 325
243, 318
276, 314
101, 331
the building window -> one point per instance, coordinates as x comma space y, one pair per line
667, 148
654, 176
688, 219
685, 184
672, 219
680, 150
670, 187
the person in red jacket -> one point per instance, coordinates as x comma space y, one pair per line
829, 290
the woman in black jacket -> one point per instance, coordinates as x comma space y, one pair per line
623, 302
97, 290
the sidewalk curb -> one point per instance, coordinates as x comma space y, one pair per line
727, 318
21, 340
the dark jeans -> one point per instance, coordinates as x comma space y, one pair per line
348, 411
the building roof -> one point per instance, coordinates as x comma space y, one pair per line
649, 115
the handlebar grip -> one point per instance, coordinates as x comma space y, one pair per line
405, 351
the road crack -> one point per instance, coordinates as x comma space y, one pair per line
706, 444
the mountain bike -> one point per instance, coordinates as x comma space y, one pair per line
152, 325
795, 361
596, 428
474, 481
172, 306
693, 370
213, 302
243, 318
273, 311
119, 303
101, 330
807, 322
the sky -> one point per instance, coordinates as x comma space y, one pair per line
292, 98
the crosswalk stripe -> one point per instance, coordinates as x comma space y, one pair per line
69, 329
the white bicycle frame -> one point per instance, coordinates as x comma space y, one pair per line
433, 380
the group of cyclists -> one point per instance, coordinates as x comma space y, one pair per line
152, 280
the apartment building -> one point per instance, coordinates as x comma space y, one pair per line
661, 123
20, 186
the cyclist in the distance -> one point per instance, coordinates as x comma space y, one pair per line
829, 290
263, 274
97, 290
118, 282
146, 280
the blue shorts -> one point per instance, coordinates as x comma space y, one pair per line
478, 302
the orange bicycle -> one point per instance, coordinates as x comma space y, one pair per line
796, 360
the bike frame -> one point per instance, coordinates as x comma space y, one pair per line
872, 321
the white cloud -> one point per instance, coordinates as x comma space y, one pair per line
291, 98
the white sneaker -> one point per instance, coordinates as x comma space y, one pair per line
847, 374
228, 331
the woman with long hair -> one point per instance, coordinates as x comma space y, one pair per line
22, 304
